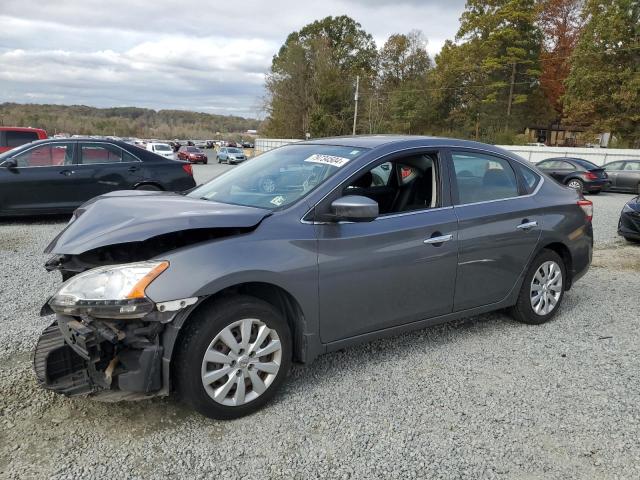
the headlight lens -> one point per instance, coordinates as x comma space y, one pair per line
116, 291
627, 209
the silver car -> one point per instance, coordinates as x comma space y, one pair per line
215, 293
231, 155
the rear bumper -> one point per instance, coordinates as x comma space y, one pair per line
109, 360
597, 185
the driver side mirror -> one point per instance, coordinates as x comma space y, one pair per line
354, 208
9, 163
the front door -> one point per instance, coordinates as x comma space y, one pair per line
498, 228
42, 181
397, 269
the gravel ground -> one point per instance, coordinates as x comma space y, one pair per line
480, 398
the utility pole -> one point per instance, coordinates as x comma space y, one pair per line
513, 79
355, 113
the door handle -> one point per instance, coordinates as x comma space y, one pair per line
67, 172
438, 239
133, 169
527, 225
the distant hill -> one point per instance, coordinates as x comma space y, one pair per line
122, 121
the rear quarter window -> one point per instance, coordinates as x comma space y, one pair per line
531, 178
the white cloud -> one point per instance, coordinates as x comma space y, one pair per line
164, 54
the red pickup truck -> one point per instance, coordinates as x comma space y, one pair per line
12, 137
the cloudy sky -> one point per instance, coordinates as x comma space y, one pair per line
190, 55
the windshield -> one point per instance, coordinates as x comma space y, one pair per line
278, 177
234, 150
192, 149
162, 148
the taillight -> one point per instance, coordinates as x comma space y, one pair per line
587, 208
591, 176
187, 168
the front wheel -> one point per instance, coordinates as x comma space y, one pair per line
542, 290
233, 357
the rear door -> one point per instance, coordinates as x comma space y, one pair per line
499, 225
629, 178
388, 272
613, 170
104, 167
42, 181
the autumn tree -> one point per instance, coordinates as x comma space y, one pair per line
560, 22
603, 86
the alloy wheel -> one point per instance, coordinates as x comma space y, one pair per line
241, 362
546, 288
575, 184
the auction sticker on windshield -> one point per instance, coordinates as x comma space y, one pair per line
328, 160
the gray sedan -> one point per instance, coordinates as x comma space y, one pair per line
624, 176
231, 155
215, 293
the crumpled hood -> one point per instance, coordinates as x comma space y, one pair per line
136, 215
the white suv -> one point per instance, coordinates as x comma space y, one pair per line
162, 149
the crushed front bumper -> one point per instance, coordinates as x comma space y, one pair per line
111, 360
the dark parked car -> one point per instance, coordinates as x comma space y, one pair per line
56, 176
192, 154
629, 223
12, 137
624, 176
576, 173
214, 293
231, 155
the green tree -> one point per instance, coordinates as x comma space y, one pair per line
495, 66
311, 83
603, 86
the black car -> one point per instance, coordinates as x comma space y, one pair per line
629, 224
56, 176
576, 173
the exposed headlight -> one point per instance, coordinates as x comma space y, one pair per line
627, 209
116, 291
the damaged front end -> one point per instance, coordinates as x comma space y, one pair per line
106, 340
112, 359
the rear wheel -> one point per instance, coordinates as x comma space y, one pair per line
542, 290
575, 183
233, 357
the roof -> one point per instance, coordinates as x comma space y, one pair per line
375, 141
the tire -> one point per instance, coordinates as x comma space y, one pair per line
523, 311
631, 240
149, 187
203, 334
205, 162
575, 183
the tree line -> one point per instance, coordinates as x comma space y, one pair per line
123, 121
512, 64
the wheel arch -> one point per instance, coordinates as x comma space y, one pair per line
275, 295
563, 251
149, 182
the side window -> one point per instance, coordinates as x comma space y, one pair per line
565, 166
91, 153
405, 184
615, 166
15, 139
633, 166
481, 177
49, 155
531, 178
128, 157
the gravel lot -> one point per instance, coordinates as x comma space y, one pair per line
481, 398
